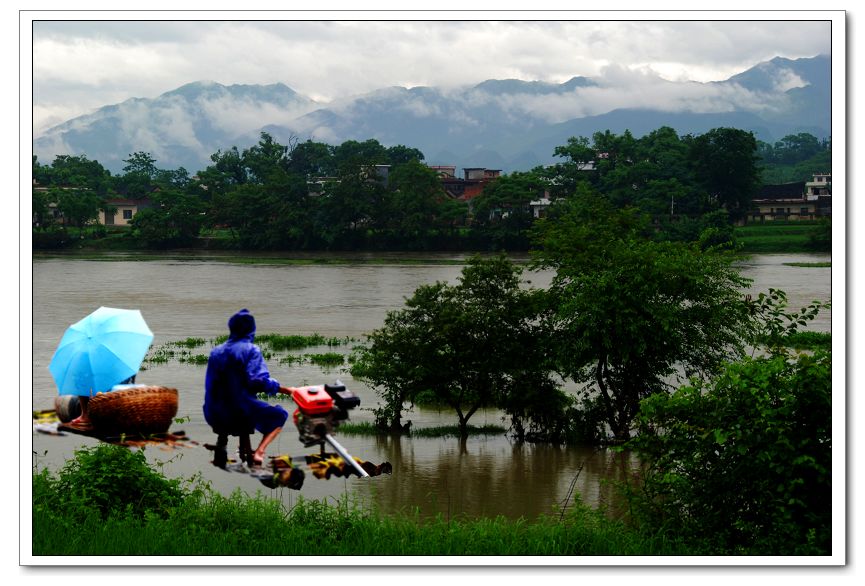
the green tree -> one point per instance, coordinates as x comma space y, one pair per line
312, 159
502, 211
401, 154
820, 237
42, 217
415, 194
577, 168
78, 207
173, 220
141, 163
76, 171
227, 170
470, 345
265, 158
724, 162
352, 154
632, 315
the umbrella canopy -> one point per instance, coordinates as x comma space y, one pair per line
99, 351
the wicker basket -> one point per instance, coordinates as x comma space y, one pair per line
143, 410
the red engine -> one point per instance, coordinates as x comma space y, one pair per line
320, 409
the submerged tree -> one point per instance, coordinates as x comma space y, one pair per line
470, 345
632, 316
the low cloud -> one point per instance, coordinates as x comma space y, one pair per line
619, 88
785, 79
239, 116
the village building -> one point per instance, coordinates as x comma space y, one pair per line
798, 200
471, 185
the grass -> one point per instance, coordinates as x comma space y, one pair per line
67, 522
369, 429
810, 341
181, 350
809, 265
776, 237
453, 431
327, 360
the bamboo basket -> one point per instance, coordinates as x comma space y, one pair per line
144, 410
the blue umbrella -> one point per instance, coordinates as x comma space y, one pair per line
101, 350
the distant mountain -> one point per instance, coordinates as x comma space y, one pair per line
180, 128
509, 124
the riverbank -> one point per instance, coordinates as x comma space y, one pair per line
777, 237
764, 237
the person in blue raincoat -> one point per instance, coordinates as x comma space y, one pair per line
236, 373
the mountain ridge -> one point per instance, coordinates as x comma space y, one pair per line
514, 123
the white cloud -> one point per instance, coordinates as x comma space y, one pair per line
618, 87
786, 79
236, 116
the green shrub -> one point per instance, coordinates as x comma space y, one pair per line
742, 465
327, 359
109, 480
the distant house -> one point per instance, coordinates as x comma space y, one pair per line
474, 180
444, 171
540, 206
120, 211
799, 200
820, 185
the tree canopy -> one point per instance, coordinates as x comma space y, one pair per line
467, 346
633, 316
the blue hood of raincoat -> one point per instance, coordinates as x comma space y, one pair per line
241, 326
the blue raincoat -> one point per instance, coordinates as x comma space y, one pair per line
236, 372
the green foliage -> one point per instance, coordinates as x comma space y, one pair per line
742, 464
809, 341
631, 315
472, 345
76, 206
370, 429
314, 196
810, 265
327, 359
725, 165
502, 210
795, 157
775, 328
820, 238
413, 201
190, 342
75, 171
109, 480
174, 220
775, 237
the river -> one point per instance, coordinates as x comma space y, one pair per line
194, 296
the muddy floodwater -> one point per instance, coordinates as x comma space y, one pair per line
193, 297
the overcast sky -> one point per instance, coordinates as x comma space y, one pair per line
80, 66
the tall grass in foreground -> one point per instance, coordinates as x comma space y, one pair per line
68, 522
242, 525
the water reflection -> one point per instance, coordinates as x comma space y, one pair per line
490, 477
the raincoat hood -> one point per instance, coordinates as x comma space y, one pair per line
242, 325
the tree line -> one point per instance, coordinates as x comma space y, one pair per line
314, 196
